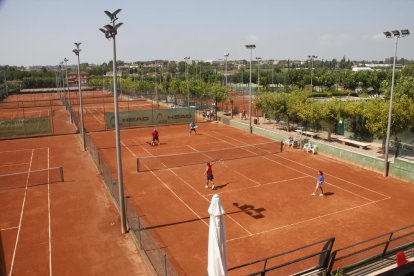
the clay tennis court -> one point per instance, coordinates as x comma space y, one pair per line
57, 217
265, 193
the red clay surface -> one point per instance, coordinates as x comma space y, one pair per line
267, 198
59, 228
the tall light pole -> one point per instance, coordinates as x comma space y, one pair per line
5, 82
397, 34
258, 70
250, 47
66, 76
111, 31
77, 51
186, 79
226, 55
312, 57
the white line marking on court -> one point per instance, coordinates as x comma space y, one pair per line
7, 151
21, 215
49, 212
308, 220
326, 182
14, 164
265, 184
165, 185
362, 187
100, 121
9, 228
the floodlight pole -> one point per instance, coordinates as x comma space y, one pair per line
312, 57
250, 47
77, 52
66, 75
186, 79
397, 35
111, 32
5, 82
226, 55
258, 70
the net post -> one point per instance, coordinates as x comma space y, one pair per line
281, 146
137, 164
61, 174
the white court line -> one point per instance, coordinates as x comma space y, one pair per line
21, 215
97, 118
6, 151
265, 184
326, 182
49, 212
9, 228
14, 164
308, 220
165, 184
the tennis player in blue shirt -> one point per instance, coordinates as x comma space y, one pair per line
319, 184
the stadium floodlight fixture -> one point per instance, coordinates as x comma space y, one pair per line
77, 52
250, 47
387, 34
111, 31
397, 34
112, 15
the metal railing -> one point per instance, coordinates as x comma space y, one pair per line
306, 259
370, 250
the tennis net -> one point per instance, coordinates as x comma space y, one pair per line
31, 178
159, 162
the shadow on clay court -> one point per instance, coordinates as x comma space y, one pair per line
219, 187
250, 210
328, 194
184, 221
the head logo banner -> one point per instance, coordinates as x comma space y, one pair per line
150, 117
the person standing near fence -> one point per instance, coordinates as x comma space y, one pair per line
319, 183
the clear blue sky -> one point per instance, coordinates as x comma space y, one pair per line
42, 32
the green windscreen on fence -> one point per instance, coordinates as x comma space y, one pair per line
25, 126
151, 117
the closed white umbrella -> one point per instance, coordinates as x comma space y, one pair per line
217, 258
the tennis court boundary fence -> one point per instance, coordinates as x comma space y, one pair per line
158, 259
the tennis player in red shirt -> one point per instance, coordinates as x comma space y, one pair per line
155, 138
209, 173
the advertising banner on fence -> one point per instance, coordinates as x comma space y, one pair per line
150, 117
25, 126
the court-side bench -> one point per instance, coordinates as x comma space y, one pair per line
359, 144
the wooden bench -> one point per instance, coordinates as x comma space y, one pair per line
359, 144
308, 133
